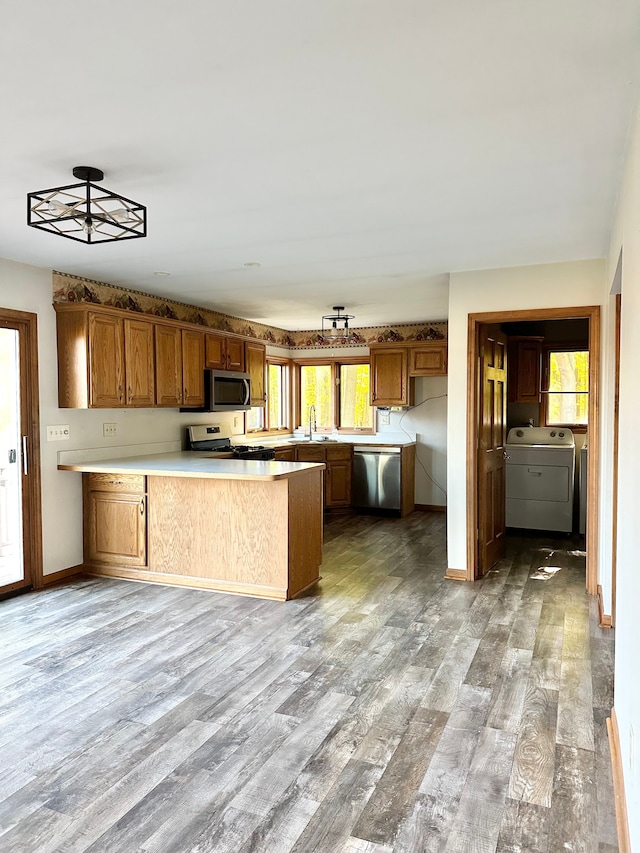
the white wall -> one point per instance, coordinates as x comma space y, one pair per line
626, 236
27, 288
543, 286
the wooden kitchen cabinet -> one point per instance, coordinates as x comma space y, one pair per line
179, 367
428, 358
168, 349
339, 475
224, 353
255, 359
106, 360
192, 368
524, 364
390, 385
115, 520
112, 358
287, 454
139, 358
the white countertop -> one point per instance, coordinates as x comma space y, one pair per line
200, 464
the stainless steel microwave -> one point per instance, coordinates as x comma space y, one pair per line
226, 391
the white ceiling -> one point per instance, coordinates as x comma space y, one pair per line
359, 150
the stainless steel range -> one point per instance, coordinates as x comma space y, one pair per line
216, 438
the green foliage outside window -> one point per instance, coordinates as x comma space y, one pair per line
568, 391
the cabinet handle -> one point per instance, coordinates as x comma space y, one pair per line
116, 482
141, 506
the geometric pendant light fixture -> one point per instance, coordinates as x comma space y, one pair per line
86, 212
336, 325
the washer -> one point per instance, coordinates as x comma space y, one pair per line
540, 474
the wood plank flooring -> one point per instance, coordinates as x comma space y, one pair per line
386, 711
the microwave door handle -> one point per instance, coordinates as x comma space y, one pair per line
247, 392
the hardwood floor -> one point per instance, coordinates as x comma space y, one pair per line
386, 710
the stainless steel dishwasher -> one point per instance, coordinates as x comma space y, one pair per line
377, 477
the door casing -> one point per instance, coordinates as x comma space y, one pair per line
592, 313
27, 326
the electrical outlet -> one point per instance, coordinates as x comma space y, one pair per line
58, 432
236, 421
109, 430
384, 418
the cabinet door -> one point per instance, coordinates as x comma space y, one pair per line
116, 529
338, 479
529, 357
215, 352
106, 361
288, 455
168, 366
255, 361
428, 360
235, 354
192, 368
389, 384
139, 363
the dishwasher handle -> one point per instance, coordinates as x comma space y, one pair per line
378, 450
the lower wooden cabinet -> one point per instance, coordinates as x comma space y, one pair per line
338, 473
115, 520
287, 454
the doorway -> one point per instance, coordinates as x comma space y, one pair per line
20, 512
476, 404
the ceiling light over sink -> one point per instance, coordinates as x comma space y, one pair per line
86, 212
336, 325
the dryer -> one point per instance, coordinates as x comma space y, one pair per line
540, 471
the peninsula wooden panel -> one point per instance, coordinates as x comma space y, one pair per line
236, 534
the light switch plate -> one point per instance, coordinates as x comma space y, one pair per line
109, 430
58, 432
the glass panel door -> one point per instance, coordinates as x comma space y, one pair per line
11, 540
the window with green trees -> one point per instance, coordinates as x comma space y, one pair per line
339, 390
566, 392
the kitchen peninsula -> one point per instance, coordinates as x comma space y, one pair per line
243, 526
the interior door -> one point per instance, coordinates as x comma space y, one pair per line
492, 434
20, 541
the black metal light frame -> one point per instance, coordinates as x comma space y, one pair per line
334, 319
88, 209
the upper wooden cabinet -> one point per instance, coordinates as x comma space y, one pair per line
104, 352
524, 361
224, 353
393, 368
192, 368
110, 358
168, 346
139, 360
428, 358
255, 359
390, 377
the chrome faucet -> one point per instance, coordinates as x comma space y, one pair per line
312, 421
